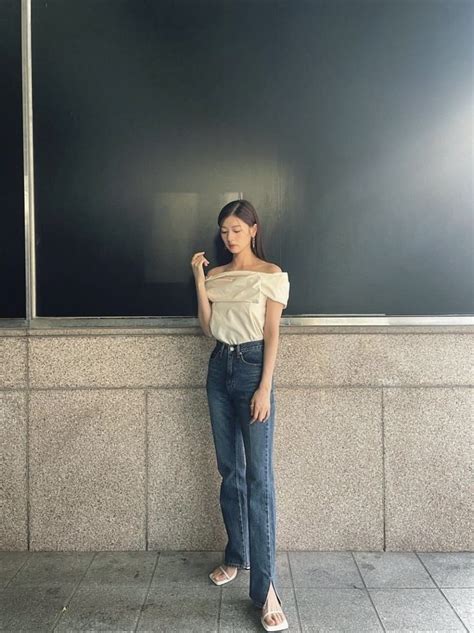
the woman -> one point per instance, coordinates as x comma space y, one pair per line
240, 305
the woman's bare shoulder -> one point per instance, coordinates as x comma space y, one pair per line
266, 267
273, 268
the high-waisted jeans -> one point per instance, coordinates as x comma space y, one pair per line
244, 452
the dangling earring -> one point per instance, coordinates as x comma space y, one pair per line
253, 242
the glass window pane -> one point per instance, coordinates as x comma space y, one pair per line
12, 236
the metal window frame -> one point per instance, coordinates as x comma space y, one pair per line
34, 322
28, 162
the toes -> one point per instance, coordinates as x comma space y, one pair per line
275, 618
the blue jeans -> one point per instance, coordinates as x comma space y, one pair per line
244, 452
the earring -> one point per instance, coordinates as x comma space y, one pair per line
253, 242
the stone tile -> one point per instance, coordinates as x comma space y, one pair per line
13, 332
428, 434
118, 361
195, 567
322, 359
402, 610
10, 565
31, 607
116, 607
13, 361
392, 569
87, 470
53, 568
239, 614
92, 591
329, 469
375, 359
462, 601
183, 480
282, 573
13, 471
324, 569
121, 568
186, 568
282, 563
325, 609
179, 608
427, 505
450, 569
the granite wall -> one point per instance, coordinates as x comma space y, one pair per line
106, 442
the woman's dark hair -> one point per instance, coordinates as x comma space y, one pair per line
245, 211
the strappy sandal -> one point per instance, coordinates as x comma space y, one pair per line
224, 580
280, 626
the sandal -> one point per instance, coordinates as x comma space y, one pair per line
280, 626
224, 580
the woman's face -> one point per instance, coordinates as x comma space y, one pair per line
235, 234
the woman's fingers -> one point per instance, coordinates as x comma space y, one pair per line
199, 258
256, 413
253, 412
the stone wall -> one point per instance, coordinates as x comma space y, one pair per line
106, 441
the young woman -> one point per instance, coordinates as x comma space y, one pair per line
240, 305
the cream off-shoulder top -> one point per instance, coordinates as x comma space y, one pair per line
239, 300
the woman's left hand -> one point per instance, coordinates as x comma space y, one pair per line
260, 405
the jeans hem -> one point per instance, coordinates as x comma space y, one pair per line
247, 567
260, 605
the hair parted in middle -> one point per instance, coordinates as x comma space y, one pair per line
245, 211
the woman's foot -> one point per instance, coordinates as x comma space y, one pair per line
218, 574
272, 604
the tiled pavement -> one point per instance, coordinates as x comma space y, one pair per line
170, 591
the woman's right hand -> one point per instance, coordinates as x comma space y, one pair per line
197, 261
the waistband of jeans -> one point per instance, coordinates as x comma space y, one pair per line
239, 346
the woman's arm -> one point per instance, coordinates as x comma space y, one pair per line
271, 334
204, 305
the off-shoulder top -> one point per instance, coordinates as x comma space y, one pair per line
239, 299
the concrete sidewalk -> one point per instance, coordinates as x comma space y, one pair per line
170, 591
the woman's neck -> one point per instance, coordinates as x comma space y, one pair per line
245, 265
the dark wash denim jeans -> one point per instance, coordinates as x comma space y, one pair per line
244, 452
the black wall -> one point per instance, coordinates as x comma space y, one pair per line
348, 124
12, 236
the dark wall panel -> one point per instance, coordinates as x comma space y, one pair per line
347, 124
377, 155
148, 115
12, 236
